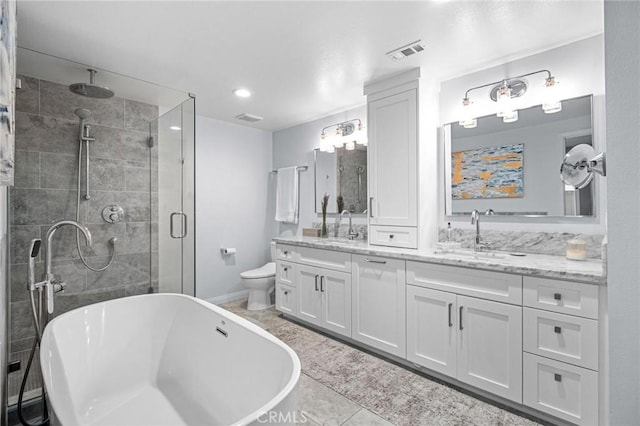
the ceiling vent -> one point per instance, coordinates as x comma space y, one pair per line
248, 117
407, 50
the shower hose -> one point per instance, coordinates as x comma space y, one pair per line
39, 321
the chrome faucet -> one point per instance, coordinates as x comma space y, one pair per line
475, 220
50, 283
352, 234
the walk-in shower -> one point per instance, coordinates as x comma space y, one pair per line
89, 160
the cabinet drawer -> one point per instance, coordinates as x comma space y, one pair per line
285, 252
329, 259
562, 390
562, 337
286, 299
565, 297
470, 282
285, 272
393, 236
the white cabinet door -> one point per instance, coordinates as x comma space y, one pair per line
309, 295
432, 329
335, 288
392, 160
490, 346
286, 301
378, 303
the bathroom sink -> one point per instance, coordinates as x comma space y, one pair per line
472, 254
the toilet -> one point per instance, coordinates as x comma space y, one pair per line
260, 282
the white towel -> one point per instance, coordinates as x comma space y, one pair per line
287, 195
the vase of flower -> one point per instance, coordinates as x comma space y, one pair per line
325, 202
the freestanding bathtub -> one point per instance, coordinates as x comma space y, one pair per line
165, 359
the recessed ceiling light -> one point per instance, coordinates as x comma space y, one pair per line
175, 128
242, 93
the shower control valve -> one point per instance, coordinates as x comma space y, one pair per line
113, 214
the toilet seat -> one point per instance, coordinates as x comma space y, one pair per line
266, 271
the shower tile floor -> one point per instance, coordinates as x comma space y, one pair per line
342, 385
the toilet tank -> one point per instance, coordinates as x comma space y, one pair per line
273, 251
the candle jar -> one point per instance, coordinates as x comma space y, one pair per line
576, 250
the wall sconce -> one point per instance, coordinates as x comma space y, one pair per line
347, 134
504, 91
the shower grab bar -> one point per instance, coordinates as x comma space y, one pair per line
183, 227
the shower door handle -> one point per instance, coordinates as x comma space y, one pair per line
183, 227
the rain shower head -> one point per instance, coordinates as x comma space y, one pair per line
83, 113
91, 90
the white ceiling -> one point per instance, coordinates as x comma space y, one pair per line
302, 60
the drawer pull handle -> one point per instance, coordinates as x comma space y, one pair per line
381, 262
460, 325
557, 377
321, 284
370, 206
557, 296
557, 329
450, 321
316, 278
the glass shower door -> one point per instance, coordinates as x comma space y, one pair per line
173, 200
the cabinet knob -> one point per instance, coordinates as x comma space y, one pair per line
286, 269
286, 253
557, 296
557, 329
286, 292
391, 236
557, 377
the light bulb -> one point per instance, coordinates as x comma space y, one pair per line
331, 149
350, 146
552, 102
503, 98
338, 140
361, 135
510, 118
468, 120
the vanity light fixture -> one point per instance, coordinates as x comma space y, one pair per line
346, 134
504, 91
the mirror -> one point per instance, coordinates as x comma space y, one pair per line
512, 168
343, 175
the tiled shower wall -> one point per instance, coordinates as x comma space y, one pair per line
45, 192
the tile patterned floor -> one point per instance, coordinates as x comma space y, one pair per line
342, 385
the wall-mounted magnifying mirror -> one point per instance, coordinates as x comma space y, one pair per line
343, 175
580, 165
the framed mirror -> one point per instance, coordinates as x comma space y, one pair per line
343, 175
513, 168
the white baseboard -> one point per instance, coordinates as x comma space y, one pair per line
219, 300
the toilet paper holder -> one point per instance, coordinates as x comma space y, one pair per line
227, 251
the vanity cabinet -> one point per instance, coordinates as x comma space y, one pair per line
392, 162
561, 349
315, 286
476, 341
379, 301
324, 298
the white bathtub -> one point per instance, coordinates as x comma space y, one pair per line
164, 359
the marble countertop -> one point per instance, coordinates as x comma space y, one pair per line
536, 265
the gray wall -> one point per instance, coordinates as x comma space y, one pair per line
45, 192
622, 64
294, 147
234, 206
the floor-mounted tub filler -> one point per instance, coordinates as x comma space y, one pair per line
165, 359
